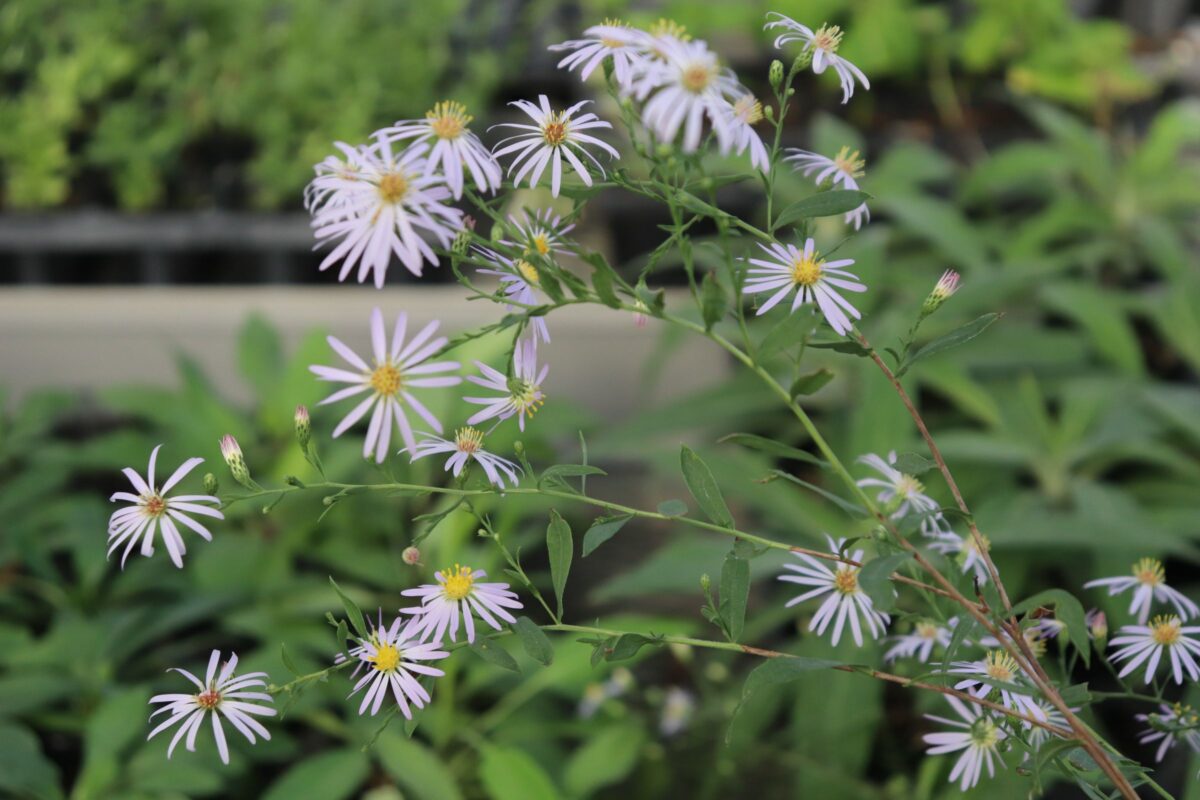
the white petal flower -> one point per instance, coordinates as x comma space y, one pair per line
627, 47
455, 150
1038, 735
522, 395
919, 643
224, 695
376, 207
337, 179
520, 283
541, 233
747, 112
903, 490
390, 658
1147, 644
685, 87
998, 666
846, 601
846, 168
965, 550
458, 594
468, 446
679, 705
978, 736
1149, 582
1169, 726
388, 381
152, 510
823, 43
813, 279
554, 136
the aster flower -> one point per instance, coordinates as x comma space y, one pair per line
1147, 644
520, 283
679, 705
455, 149
846, 601
624, 45
965, 550
1171, 725
152, 510
554, 136
946, 286
683, 89
221, 694
1097, 623
903, 490
814, 280
1038, 735
919, 643
468, 446
1149, 582
747, 112
823, 44
978, 736
336, 179
541, 233
459, 594
377, 210
388, 382
522, 395
845, 168
996, 666
594, 694
390, 659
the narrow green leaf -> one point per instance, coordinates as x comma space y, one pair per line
846, 346
561, 546
712, 300
672, 508
773, 672
601, 531
875, 578
493, 653
627, 646
850, 508
560, 472
735, 590
703, 486
811, 382
822, 204
954, 338
287, 659
352, 611
772, 447
534, 640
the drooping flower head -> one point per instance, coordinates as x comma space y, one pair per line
921, 640
966, 551
747, 112
388, 382
997, 667
520, 282
520, 395
1168, 727
390, 660
813, 279
459, 595
845, 168
822, 44
466, 447
152, 510
223, 695
903, 491
846, 601
977, 736
1149, 583
1166, 635
378, 208
626, 46
456, 151
553, 137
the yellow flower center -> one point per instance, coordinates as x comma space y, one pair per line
984, 733
1150, 572
669, 27
748, 109
468, 440
526, 397
392, 187
457, 582
907, 486
208, 699
541, 243
827, 38
608, 42
1165, 630
554, 129
850, 162
448, 119
387, 658
1035, 641
845, 580
528, 271
154, 506
806, 271
973, 545
927, 630
697, 77
1000, 666
386, 380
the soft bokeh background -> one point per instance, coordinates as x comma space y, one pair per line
153, 257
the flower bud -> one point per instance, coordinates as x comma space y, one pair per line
803, 60
303, 427
705, 582
210, 483
946, 286
462, 239
411, 556
232, 454
1097, 624
775, 75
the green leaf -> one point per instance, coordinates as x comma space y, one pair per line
352, 611
560, 472
914, 464
286, 658
672, 508
774, 672
712, 300
788, 332
602, 282
416, 768
327, 776
772, 447
24, 771
260, 355
735, 590
822, 204
601, 531
508, 773
956, 337
627, 646
561, 546
493, 653
875, 578
811, 382
1068, 609
846, 346
534, 640
852, 509
703, 486
606, 758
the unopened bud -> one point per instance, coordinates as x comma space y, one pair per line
705, 582
775, 75
411, 556
518, 447
1097, 624
803, 60
945, 287
210, 483
232, 454
303, 427
462, 239
769, 113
